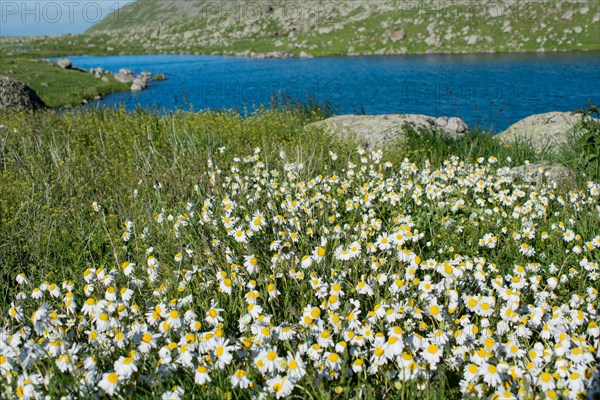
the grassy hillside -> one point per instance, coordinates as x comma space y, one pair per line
139, 13
319, 28
56, 86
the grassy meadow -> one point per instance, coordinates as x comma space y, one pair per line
215, 255
56, 86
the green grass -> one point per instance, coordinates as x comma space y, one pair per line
140, 165
54, 166
56, 86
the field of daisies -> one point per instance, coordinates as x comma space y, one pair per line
206, 255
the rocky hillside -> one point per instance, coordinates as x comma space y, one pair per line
142, 12
358, 26
279, 28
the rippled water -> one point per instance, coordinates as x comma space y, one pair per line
489, 90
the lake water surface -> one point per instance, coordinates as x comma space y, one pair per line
487, 90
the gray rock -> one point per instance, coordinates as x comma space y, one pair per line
473, 39
64, 63
398, 34
376, 131
105, 79
433, 41
141, 81
495, 11
16, 96
98, 72
452, 125
568, 15
543, 132
273, 54
138, 85
125, 75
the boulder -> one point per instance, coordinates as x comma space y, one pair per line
140, 82
274, 54
125, 75
159, 77
398, 35
98, 72
543, 132
568, 15
454, 126
64, 63
376, 131
472, 40
17, 96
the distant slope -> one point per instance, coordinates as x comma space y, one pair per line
143, 12
344, 27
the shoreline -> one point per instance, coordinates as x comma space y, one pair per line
282, 54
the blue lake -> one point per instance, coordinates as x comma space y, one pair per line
487, 90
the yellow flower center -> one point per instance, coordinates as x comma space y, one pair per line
113, 378
433, 349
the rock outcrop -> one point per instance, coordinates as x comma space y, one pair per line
64, 63
376, 131
398, 35
543, 132
99, 72
141, 82
125, 75
17, 96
